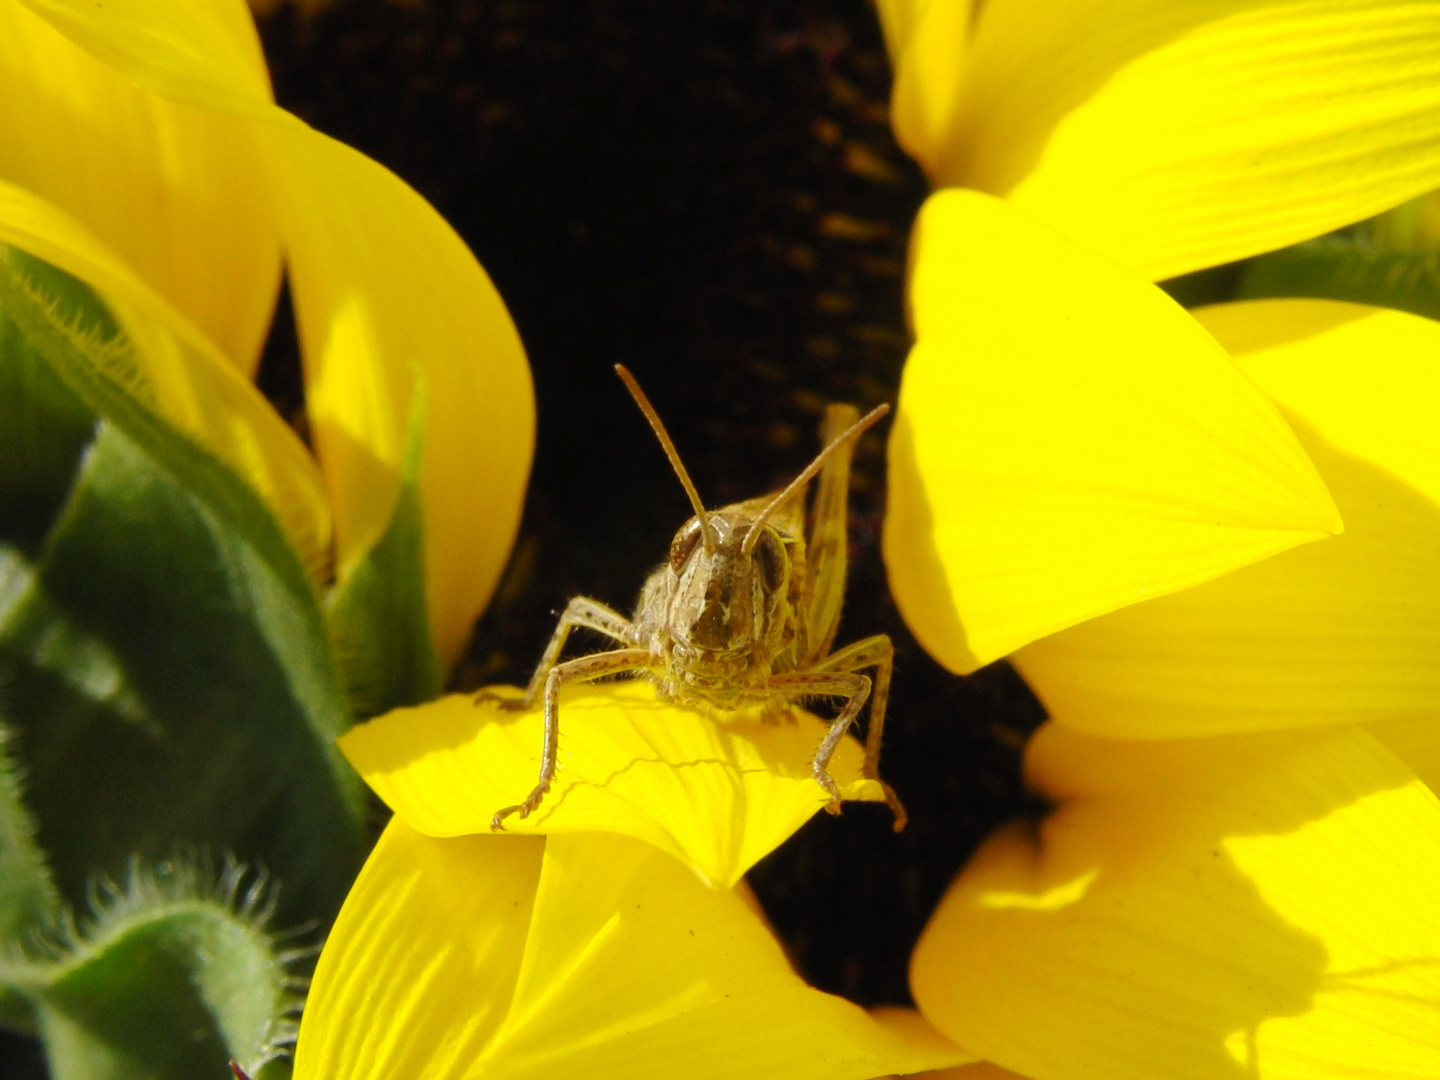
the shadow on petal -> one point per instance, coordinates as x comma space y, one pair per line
1264, 905
976, 1070
1018, 103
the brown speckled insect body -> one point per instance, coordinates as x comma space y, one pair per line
743, 613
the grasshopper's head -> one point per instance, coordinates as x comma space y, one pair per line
734, 594
731, 573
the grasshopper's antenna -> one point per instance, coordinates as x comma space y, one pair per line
848, 435
707, 531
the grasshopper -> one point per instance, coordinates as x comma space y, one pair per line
743, 613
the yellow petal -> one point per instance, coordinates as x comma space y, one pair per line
512, 957
1262, 906
397, 991
1364, 378
1175, 134
1069, 441
1343, 631
182, 375
202, 51
927, 40
387, 295
717, 794
155, 180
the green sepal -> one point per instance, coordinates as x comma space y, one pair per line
378, 617
1348, 266
28, 897
29, 900
68, 325
166, 660
175, 975
44, 428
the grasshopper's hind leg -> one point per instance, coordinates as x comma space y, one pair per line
826, 553
580, 612
585, 669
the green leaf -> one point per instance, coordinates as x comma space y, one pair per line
377, 616
44, 429
158, 679
1348, 266
174, 977
165, 660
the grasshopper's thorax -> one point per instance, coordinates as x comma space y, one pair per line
722, 621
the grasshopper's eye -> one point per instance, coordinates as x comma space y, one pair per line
683, 546
770, 556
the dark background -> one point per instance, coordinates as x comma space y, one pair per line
708, 192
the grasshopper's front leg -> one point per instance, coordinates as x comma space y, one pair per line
855, 688
585, 669
837, 675
582, 612
879, 653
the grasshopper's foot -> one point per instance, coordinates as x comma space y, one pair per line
826, 781
896, 806
524, 809
505, 704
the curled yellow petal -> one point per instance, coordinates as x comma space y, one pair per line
1261, 906
927, 40
717, 794
204, 52
1345, 631
157, 181
595, 956
1175, 134
1069, 442
178, 372
388, 298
